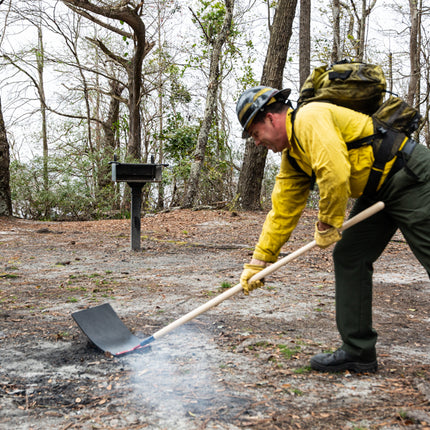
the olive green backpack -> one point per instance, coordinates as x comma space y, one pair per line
357, 86
362, 87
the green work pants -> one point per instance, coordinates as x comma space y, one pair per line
407, 206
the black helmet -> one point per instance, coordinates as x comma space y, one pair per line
254, 99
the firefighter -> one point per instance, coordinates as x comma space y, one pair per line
313, 142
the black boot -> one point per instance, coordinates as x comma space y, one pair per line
341, 360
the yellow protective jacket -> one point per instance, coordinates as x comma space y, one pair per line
321, 131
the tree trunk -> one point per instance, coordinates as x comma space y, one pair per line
134, 147
110, 141
40, 60
202, 140
5, 199
390, 72
362, 32
336, 51
305, 40
252, 172
360, 42
160, 91
414, 53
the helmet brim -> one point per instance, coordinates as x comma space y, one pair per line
280, 95
285, 93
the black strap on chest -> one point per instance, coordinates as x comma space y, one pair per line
292, 160
296, 167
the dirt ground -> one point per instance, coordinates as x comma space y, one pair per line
241, 365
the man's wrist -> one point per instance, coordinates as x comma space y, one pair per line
256, 262
322, 226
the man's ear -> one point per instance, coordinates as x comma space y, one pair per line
269, 115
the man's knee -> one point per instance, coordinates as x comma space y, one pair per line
342, 252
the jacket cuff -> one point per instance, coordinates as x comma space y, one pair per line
264, 257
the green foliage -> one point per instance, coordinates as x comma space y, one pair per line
179, 138
179, 141
179, 92
214, 181
70, 194
245, 68
210, 17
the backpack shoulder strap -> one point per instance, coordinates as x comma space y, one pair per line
293, 118
385, 148
296, 167
368, 140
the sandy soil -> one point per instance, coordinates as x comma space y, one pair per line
241, 365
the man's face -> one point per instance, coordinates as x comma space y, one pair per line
271, 132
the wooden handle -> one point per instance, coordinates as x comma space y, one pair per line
371, 210
267, 271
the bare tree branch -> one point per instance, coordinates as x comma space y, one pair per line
208, 39
124, 14
101, 23
116, 58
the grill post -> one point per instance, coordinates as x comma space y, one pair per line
136, 210
136, 175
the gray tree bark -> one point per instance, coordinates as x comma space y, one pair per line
5, 198
305, 40
252, 172
202, 140
336, 51
414, 54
